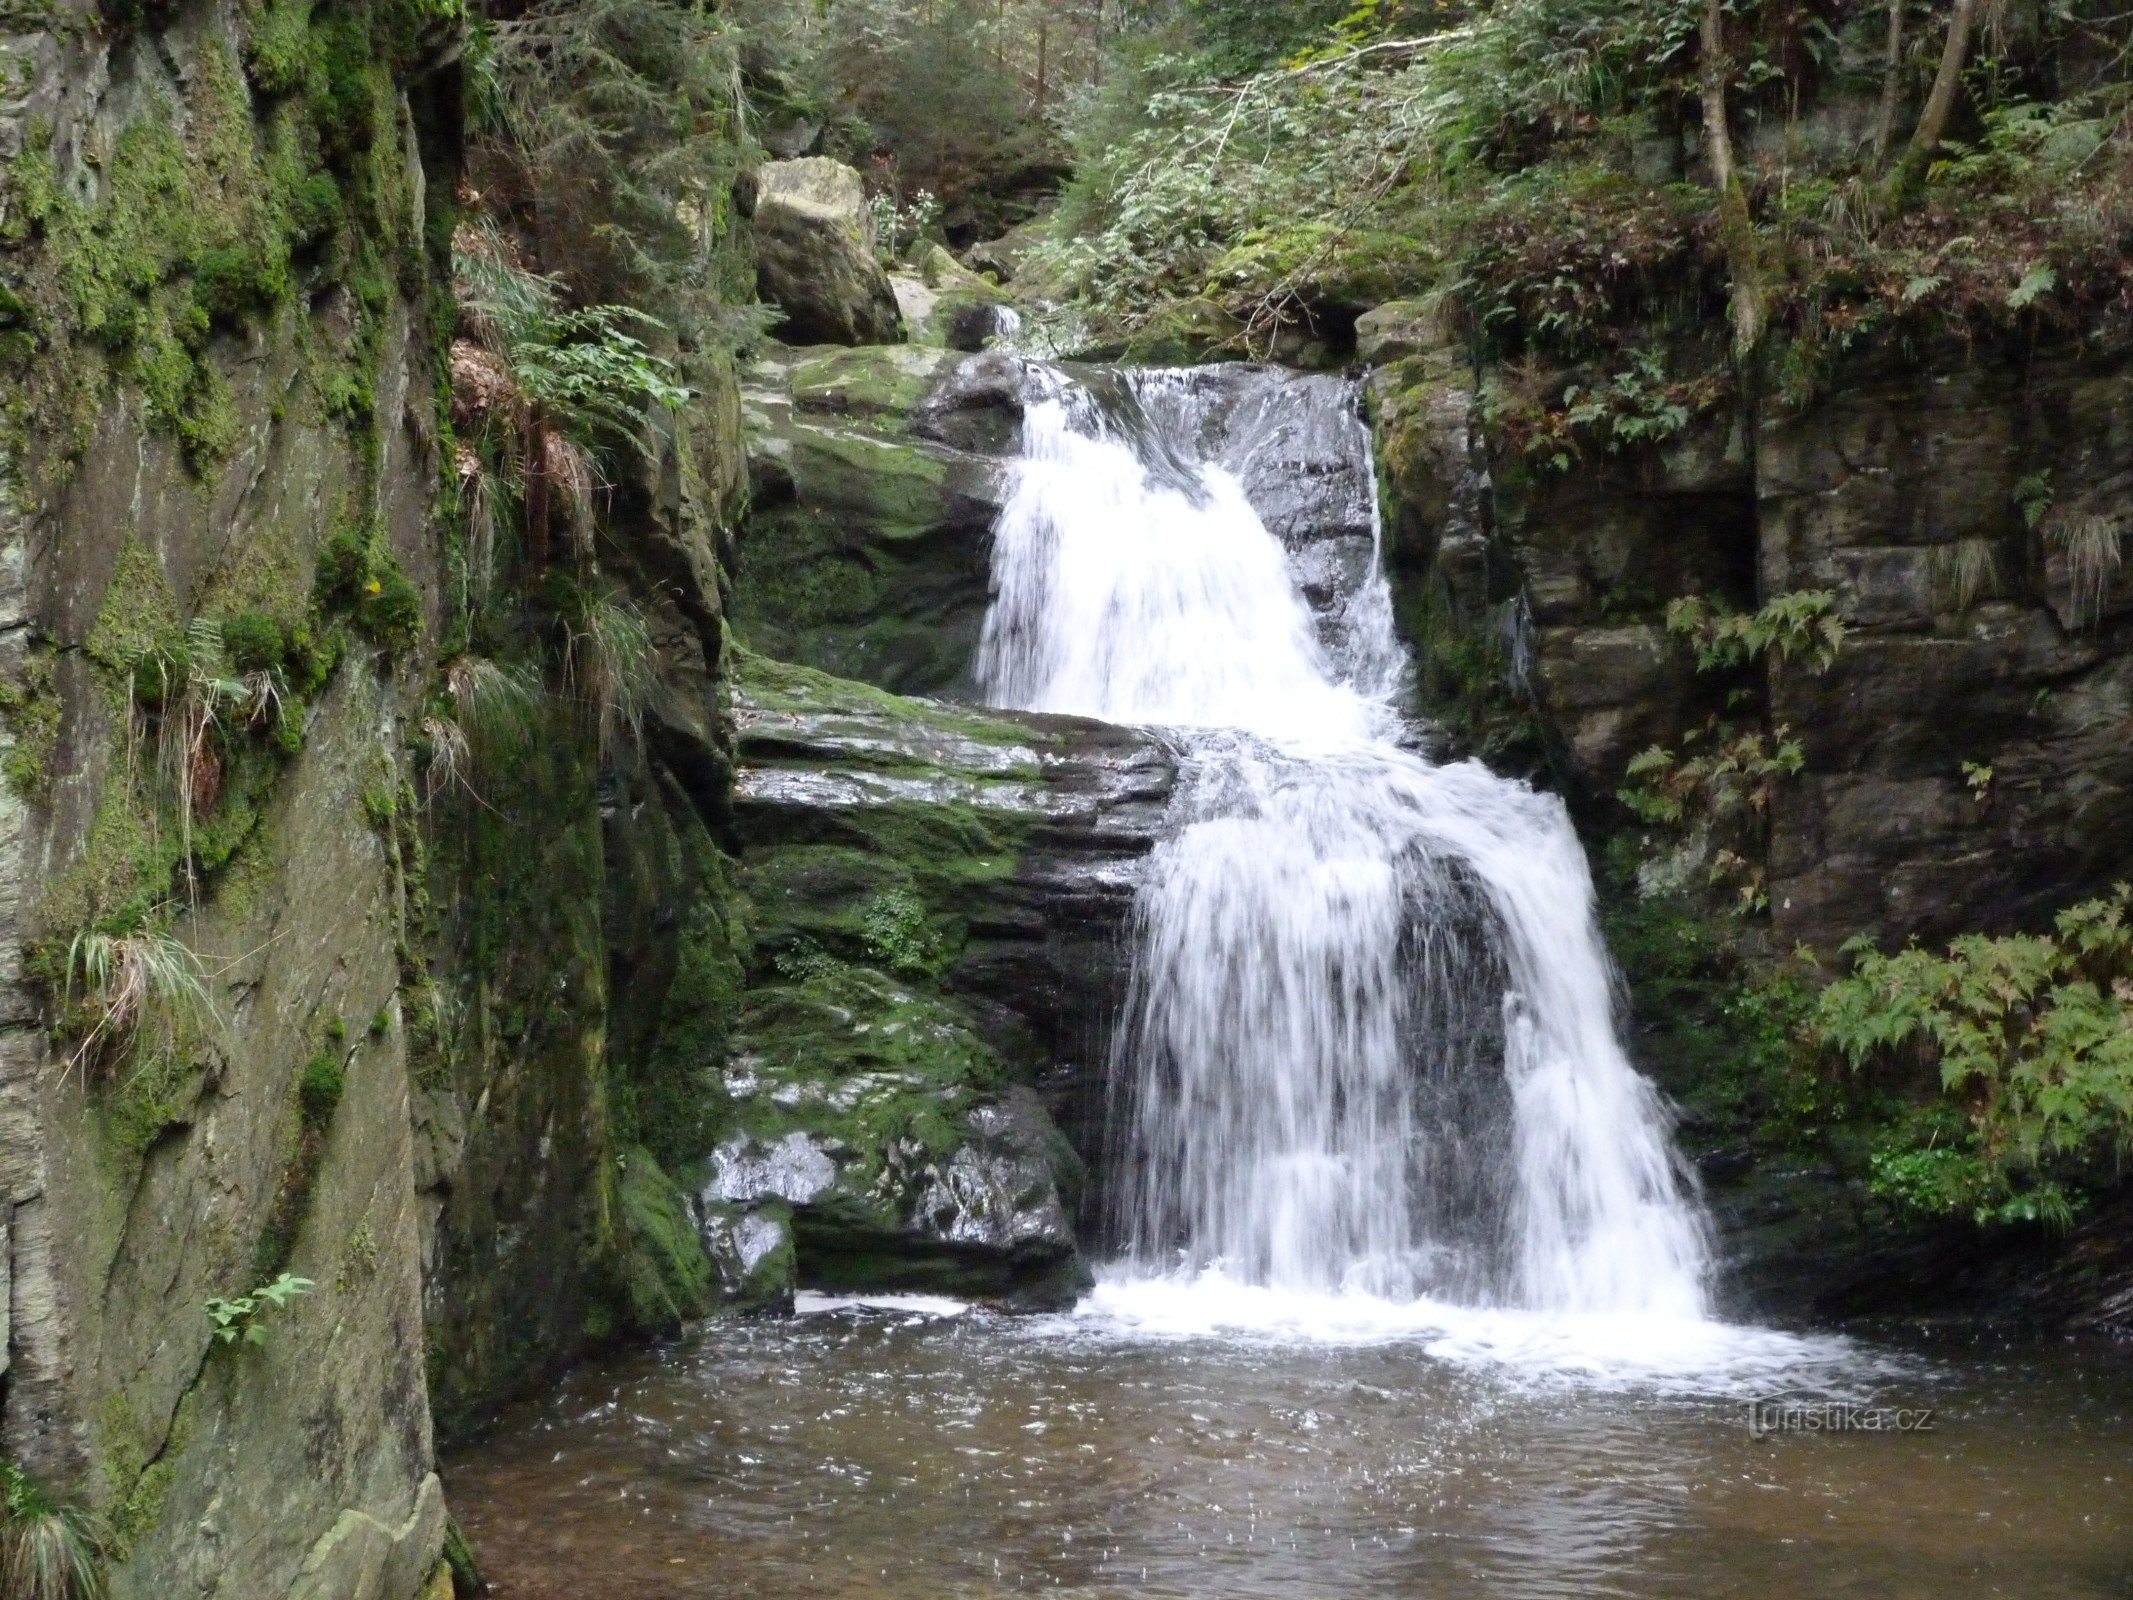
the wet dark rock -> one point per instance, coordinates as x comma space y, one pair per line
939, 893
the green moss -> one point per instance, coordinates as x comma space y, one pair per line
895, 487
320, 1088
359, 577
281, 53
139, 616
254, 642
209, 213
138, 1473
784, 686
879, 381
668, 1102
884, 1071
30, 711
156, 1091
666, 1274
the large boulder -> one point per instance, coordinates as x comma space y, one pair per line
815, 255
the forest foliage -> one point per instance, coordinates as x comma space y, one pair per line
1547, 166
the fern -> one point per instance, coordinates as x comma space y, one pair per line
1803, 623
2032, 1035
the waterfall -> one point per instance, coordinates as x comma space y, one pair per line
1369, 1047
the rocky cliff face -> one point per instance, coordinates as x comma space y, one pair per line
290, 994
1966, 513
216, 311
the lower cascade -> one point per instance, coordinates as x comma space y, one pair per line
1369, 1048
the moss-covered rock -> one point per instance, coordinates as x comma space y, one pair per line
935, 893
865, 550
872, 1119
815, 255
667, 1275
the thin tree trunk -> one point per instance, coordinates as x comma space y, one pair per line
1940, 104
1735, 227
1044, 61
1891, 87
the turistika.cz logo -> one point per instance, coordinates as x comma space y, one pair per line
1785, 1415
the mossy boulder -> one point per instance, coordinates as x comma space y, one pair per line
815, 255
937, 894
874, 1120
866, 550
875, 381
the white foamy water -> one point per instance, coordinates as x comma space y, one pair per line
1368, 1082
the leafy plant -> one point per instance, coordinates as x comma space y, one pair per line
900, 228
551, 390
2032, 495
1637, 406
48, 1551
893, 924
1716, 792
238, 1321
804, 959
1802, 623
2033, 1038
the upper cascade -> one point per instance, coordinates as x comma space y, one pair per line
1370, 1043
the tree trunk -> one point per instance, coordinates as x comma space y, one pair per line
1735, 227
1891, 87
1940, 105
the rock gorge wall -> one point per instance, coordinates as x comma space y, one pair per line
1901, 487
407, 1040
186, 431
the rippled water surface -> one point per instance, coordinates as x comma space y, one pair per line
863, 1451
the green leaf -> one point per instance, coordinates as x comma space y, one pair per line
2037, 282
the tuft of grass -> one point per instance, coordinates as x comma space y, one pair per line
493, 703
121, 982
492, 716
1963, 572
2094, 551
47, 1551
607, 661
450, 757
